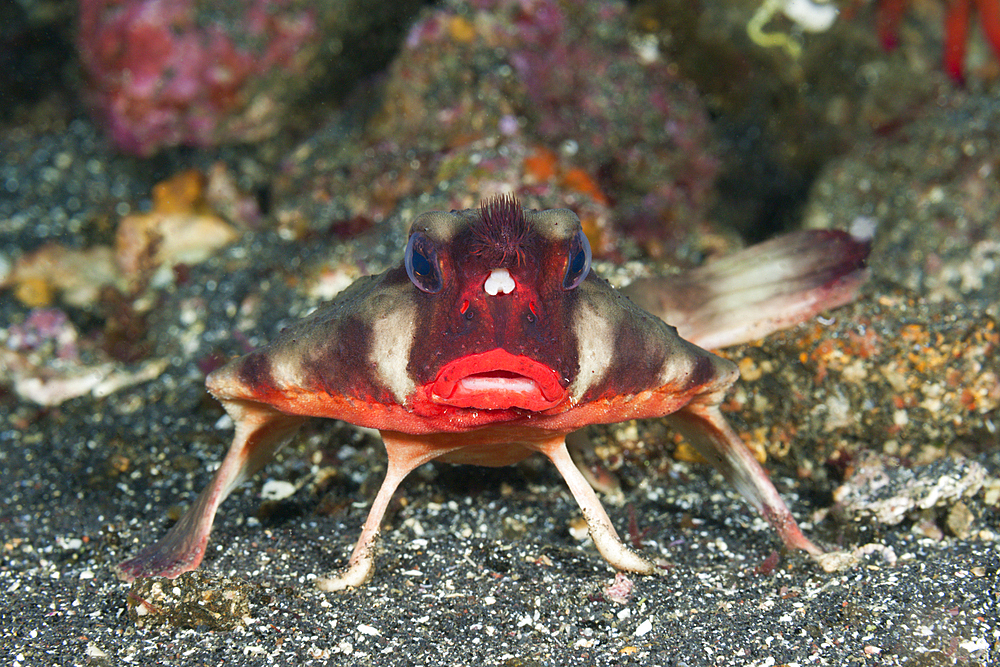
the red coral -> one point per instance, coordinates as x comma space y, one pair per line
956, 29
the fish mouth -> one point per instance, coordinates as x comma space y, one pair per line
497, 380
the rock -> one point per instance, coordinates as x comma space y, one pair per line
76, 276
931, 186
193, 600
632, 145
181, 228
889, 493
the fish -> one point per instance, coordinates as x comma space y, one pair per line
492, 341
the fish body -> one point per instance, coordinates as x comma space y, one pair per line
492, 341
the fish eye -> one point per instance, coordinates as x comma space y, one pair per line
422, 265
578, 264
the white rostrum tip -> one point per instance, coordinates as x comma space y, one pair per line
499, 281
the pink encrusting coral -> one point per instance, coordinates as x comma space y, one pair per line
41, 327
159, 73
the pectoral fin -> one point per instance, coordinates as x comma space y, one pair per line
765, 288
260, 433
706, 429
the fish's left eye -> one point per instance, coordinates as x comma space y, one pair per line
422, 265
578, 264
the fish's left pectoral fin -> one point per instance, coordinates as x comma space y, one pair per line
707, 431
260, 432
765, 288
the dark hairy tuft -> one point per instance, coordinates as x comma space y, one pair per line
501, 234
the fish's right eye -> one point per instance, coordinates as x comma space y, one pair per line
422, 263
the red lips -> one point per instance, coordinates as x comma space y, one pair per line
497, 380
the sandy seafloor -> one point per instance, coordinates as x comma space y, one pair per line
478, 567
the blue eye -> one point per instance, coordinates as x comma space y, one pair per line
578, 264
421, 262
